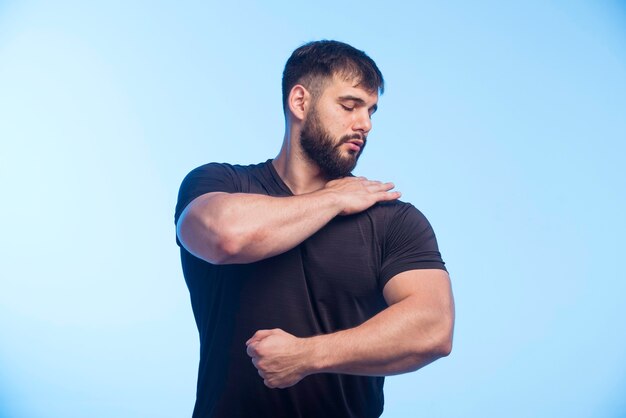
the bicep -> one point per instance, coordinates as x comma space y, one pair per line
430, 289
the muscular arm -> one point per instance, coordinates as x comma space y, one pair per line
224, 228
415, 330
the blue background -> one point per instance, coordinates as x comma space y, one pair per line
504, 122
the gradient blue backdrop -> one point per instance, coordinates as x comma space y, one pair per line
504, 122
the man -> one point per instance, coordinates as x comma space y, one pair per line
308, 285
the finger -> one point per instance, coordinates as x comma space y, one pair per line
387, 186
384, 187
372, 183
376, 183
259, 335
385, 196
251, 350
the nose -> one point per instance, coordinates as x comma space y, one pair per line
363, 122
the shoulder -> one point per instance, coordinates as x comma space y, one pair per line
224, 171
215, 168
401, 221
409, 241
397, 211
212, 177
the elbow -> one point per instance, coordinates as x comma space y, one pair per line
437, 348
222, 245
443, 343
236, 245
443, 332
440, 341
213, 244
444, 348
224, 249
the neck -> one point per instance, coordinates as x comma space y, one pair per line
295, 169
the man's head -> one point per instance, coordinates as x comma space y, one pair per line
341, 84
314, 64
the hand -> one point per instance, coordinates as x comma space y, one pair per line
358, 193
279, 357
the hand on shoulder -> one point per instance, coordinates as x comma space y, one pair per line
356, 194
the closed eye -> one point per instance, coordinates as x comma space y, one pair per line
348, 109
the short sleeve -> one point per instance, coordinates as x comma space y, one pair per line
212, 177
410, 244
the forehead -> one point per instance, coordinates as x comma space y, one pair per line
338, 87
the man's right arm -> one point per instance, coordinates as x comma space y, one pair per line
240, 228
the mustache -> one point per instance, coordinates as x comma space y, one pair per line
347, 138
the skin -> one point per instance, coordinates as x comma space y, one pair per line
415, 330
224, 228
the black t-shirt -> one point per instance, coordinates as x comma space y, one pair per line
330, 282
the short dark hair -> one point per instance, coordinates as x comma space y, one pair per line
316, 62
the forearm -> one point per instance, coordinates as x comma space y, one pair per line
243, 228
416, 329
238, 228
399, 339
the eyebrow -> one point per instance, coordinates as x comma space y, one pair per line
358, 100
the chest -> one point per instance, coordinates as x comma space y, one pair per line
344, 257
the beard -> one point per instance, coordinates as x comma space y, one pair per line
321, 149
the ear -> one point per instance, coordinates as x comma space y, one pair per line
298, 101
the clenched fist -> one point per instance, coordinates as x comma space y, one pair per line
281, 359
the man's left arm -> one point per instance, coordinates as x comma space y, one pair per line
413, 331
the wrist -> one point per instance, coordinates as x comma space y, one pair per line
316, 355
332, 199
